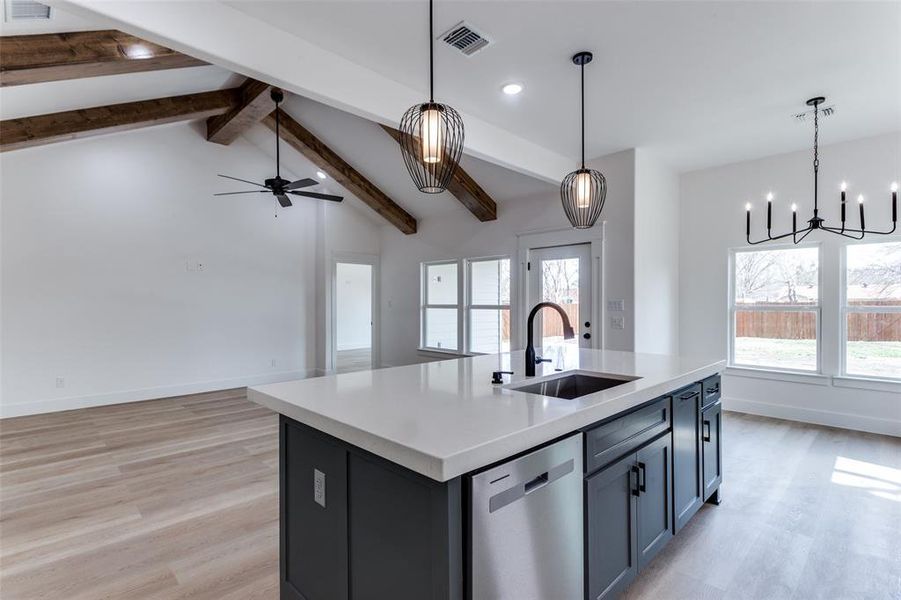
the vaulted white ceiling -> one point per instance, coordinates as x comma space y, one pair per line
703, 82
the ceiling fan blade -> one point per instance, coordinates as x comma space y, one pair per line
301, 183
320, 196
242, 180
283, 200
247, 192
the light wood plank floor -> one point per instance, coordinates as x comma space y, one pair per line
358, 359
177, 498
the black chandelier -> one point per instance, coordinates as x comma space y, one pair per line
431, 135
583, 191
818, 222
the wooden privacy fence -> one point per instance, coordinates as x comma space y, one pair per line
874, 327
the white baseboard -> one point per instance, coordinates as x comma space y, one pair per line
815, 416
58, 404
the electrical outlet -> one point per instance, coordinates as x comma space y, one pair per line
194, 265
60, 382
319, 487
617, 323
616, 305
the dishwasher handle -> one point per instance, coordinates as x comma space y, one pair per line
520, 490
538, 482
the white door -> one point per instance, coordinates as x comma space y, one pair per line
562, 275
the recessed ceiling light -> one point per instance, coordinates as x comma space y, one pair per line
320, 175
511, 89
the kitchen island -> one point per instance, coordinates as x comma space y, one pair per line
383, 475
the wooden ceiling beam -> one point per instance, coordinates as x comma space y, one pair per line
302, 140
255, 104
465, 189
74, 124
56, 56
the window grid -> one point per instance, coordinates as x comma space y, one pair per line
849, 309
470, 306
463, 306
427, 305
815, 308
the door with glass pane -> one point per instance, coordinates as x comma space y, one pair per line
561, 274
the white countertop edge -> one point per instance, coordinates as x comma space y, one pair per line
478, 457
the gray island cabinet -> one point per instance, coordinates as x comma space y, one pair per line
429, 482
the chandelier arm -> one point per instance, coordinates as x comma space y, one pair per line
862, 231
847, 232
770, 238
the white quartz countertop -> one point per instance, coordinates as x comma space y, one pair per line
443, 419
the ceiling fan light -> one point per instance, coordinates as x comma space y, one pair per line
431, 142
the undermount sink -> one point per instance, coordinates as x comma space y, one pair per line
573, 385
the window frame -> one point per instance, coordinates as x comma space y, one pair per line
424, 306
469, 306
817, 309
845, 310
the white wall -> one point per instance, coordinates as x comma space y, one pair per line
458, 234
353, 306
713, 221
96, 234
656, 255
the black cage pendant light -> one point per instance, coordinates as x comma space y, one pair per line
818, 223
583, 191
431, 139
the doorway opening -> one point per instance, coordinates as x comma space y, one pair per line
353, 317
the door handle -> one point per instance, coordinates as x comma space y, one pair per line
643, 477
636, 491
706, 432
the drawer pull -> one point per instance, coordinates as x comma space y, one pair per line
690, 395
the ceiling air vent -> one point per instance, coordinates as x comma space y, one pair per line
465, 38
15, 10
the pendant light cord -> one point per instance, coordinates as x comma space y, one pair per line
431, 54
582, 69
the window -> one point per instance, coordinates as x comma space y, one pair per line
488, 305
440, 306
481, 325
871, 313
775, 309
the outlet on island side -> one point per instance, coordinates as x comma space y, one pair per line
60, 382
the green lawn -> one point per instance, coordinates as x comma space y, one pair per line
877, 359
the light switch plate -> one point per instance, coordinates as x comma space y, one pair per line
319, 487
616, 305
617, 323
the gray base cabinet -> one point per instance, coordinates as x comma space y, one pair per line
711, 434
611, 532
688, 487
655, 501
628, 517
354, 525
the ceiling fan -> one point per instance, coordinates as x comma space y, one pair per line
277, 186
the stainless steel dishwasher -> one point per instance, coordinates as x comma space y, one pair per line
526, 526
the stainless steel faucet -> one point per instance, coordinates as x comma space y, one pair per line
568, 334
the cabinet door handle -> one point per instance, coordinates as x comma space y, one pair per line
643, 477
636, 491
706, 432
689, 395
